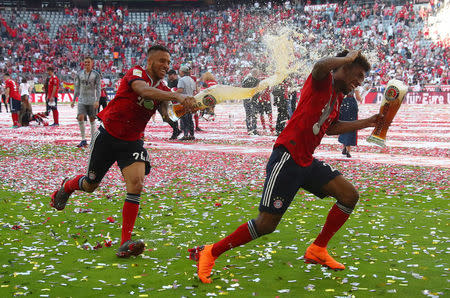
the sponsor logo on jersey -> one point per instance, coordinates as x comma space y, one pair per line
137, 72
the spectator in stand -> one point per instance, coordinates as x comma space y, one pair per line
13, 96
52, 95
172, 83
186, 86
87, 92
250, 104
349, 112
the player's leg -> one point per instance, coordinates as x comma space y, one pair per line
91, 116
101, 158
326, 181
81, 114
15, 106
281, 185
55, 114
135, 165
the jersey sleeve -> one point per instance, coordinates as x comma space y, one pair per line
321, 84
134, 74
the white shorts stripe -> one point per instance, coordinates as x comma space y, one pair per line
273, 178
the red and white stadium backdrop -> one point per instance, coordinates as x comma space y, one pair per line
425, 97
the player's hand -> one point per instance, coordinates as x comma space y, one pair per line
72, 104
373, 120
96, 104
352, 55
189, 103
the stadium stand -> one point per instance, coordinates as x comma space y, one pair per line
226, 41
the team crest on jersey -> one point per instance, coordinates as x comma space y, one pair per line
149, 104
391, 93
137, 72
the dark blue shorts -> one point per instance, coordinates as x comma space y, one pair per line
106, 150
14, 105
284, 178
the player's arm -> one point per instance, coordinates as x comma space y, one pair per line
7, 93
53, 93
98, 91
323, 67
76, 90
142, 89
340, 127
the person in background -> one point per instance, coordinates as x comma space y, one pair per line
207, 80
13, 96
281, 102
265, 107
349, 112
3, 98
103, 96
250, 104
186, 86
52, 95
172, 83
88, 92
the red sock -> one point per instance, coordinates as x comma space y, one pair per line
270, 122
263, 123
196, 120
55, 116
335, 220
129, 213
15, 119
73, 184
243, 234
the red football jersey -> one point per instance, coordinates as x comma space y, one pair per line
53, 82
126, 116
298, 136
13, 89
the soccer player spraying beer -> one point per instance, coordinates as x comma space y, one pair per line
292, 166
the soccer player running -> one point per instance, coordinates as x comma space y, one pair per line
119, 139
88, 91
292, 164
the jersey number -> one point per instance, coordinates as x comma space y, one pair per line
136, 155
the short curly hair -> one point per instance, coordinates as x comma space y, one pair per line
361, 60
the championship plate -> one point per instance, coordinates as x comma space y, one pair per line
392, 100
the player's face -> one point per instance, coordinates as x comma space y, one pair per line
354, 77
158, 64
88, 63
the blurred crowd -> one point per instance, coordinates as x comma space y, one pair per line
229, 42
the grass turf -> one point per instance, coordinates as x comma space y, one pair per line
395, 243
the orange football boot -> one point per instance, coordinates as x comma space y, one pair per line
205, 261
319, 255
